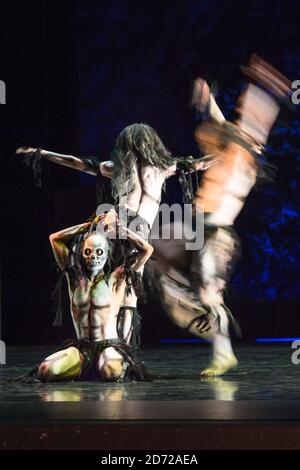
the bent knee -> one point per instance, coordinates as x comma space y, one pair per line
44, 371
111, 369
62, 365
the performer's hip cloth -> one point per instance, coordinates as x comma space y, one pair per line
78, 359
90, 351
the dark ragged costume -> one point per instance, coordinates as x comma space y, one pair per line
90, 351
133, 368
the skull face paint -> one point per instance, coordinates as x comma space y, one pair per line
94, 252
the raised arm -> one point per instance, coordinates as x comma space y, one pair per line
65, 160
204, 101
110, 224
144, 248
59, 241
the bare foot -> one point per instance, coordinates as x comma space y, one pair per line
219, 366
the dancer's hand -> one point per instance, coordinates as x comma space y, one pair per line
99, 218
111, 218
25, 150
108, 220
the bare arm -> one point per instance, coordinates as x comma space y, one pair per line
214, 111
144, 248
190, 163
59, 239
110, 223
65, 160
204, 163
204, 101
170, 171
107, 168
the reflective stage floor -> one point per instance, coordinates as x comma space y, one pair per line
257, 405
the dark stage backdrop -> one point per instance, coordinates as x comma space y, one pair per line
79, 72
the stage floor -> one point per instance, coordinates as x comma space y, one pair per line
257, 405
264, 373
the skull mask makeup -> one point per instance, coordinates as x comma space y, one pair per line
94, 252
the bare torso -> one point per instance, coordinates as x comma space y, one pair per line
95, 306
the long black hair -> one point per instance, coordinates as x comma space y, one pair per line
136, 143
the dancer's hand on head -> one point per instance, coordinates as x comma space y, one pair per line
25, 150
111, 219
108, 220
99, 218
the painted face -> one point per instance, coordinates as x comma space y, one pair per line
94, 252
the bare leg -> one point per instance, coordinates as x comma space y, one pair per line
209, 270
62, 365
110, 364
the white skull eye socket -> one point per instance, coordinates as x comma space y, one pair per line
99, 252
87, 252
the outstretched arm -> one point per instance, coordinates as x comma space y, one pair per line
65, 160
107, 168
189, 163
204, 163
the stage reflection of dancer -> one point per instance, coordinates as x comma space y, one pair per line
221, 196
96, 295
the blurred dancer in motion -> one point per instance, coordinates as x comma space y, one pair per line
192, 284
